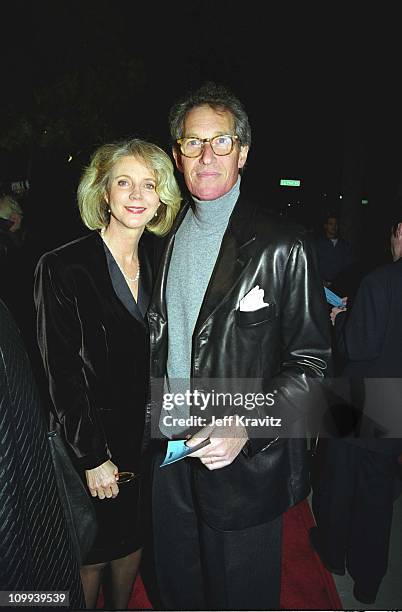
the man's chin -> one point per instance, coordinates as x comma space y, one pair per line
209, 192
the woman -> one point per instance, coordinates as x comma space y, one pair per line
91, 297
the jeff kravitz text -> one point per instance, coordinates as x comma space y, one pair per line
226, 421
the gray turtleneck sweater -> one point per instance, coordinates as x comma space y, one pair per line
194, 255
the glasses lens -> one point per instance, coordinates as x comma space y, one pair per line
222, 145
191, 147
123, 477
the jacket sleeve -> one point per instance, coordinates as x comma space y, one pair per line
360, 333
306, 348
59, 336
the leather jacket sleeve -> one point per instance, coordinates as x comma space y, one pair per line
306, 347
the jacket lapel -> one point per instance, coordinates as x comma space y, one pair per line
98, 266
146, 275
234, 256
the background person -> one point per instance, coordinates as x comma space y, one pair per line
36, 550
18, 256
334, 253
91, 297
353, 498
11, 215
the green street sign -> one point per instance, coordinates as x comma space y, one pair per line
289, 183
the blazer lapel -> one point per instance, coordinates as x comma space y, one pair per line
144, 295
234, 256
98, 265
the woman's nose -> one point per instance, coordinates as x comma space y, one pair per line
135, 193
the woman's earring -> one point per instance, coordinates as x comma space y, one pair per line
156, 214
108, 210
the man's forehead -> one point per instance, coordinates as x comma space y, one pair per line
206, 118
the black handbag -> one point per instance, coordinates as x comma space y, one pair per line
75, 499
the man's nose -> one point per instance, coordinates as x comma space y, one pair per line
207, 154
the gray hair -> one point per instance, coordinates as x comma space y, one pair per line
217, 97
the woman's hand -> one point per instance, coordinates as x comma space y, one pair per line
335, 310
101, 480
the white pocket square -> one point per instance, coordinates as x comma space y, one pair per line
253, 300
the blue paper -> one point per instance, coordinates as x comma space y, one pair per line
333, 299
178, 449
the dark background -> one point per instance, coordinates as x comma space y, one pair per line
321, 88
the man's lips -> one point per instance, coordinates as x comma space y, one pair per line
135, 210
207, 174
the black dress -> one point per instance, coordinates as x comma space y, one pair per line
94, 342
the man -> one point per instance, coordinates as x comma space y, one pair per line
238, 297
334, 253
353, 500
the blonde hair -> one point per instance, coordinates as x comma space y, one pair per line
96, 179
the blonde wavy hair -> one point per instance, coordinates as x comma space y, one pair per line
96, 178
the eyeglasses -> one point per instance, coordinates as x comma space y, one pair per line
220, 145
123, 477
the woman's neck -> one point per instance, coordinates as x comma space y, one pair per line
123, 245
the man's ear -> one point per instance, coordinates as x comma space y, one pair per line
243, 155
399, 231
177, 158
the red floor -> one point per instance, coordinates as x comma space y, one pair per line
306, 584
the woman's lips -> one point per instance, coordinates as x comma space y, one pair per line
135, 210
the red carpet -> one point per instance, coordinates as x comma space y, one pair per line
306, 584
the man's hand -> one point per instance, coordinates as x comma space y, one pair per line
222, 450
101, 480
335, 310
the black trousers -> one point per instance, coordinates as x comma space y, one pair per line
353, 507
200, 568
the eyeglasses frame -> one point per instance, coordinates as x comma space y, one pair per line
233, 137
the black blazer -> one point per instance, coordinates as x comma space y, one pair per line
95, 352
285, 345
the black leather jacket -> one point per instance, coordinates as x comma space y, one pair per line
285, 345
